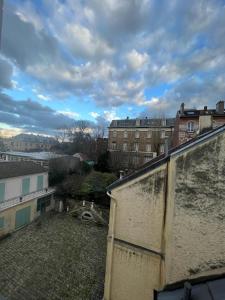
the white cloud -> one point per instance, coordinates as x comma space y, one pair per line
43, 97
110, 115
69, 113
94, 114
137, 60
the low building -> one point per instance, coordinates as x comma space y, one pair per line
24, 194
190, 122
167, 220
133, 142
41, 158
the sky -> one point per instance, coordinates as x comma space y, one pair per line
98, 60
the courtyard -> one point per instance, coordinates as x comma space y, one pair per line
56, 257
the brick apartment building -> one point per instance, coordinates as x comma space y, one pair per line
189, 122
133, 142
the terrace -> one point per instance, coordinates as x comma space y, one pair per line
56, 257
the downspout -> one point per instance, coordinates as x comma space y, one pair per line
111, 236
164, 221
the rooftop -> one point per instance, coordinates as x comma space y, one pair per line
56, 257
208, 290
163, 158
19, 168
146, 122
35, 155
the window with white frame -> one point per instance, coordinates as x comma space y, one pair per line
147, 158
149, 134
190, 126
125, 135
163, 122
124, 146
114, 133
137, 134
162, 148
163, 134
136, 146
148, 148
113, 146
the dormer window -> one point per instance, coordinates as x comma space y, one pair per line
190, 126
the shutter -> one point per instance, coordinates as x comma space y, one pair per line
2, 191
26, 186
40, 182
22, 217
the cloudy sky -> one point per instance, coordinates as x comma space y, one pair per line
102, 59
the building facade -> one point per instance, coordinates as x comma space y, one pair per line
133, 142
167, 220
24, 194
189, 122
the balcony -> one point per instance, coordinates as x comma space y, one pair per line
22, 199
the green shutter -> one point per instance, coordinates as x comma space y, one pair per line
1, 222
26, 186
40, 182
2, 191
22, 217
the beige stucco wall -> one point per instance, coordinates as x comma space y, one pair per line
9, 214
13, 186
195, 227
138, 221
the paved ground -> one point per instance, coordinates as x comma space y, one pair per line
60, 258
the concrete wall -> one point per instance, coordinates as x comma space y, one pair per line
195, 243
13, 186
143, 254
137, 243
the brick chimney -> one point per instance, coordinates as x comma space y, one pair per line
182, 108
205, 123
220, 107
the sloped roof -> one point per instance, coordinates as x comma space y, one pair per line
209, 290
147, 122
19, 168
152, 164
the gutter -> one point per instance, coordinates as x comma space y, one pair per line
112, 237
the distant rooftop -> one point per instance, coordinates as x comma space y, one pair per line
35, 155
146, 122
19, 168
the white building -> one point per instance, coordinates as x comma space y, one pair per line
24, 194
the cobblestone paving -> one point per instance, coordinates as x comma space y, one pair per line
60, 258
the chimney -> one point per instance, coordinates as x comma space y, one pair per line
220, 107
138, 122
205, 123
205, 108
127, 118
182, 108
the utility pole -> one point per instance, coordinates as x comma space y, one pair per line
1, 22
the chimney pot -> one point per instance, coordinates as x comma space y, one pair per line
220, 107
182, 108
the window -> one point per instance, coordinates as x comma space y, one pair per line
113, 146
2, 191
162, 148
40, 182
147, 158
114, 133
137, 134
43, 202
163, 122
125, 134
25, 186
125, 147
162, 134
190, 126
148, 148
149, 134
136, 146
